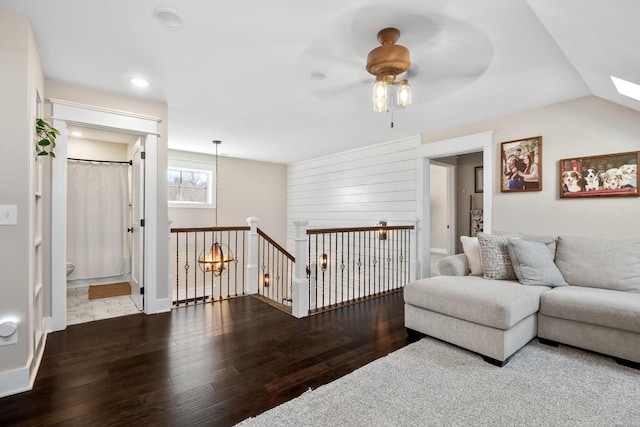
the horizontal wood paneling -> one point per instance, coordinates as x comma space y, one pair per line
355, 188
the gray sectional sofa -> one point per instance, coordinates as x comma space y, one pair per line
577, 290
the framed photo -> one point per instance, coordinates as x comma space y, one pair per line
600, 176
479, 181
521, 165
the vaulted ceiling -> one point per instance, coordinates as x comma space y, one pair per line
285, 80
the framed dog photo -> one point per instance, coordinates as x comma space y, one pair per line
600, 176
521, 165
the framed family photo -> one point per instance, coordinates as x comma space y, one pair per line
521, 165
600, 176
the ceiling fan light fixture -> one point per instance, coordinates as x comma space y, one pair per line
386, 62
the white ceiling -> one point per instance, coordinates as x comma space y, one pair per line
240, 71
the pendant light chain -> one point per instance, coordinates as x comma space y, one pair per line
216, 142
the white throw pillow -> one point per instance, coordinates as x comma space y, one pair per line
471, 249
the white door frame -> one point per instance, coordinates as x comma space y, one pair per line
63, 113
449, 147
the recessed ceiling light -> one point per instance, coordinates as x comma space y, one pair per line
139, 82
168, 17
626, 88
75, 133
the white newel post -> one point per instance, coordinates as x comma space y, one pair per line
300, 291
252, 252
414, 247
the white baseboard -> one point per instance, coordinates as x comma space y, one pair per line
14, 381
79, 283
163, 305
19, 380
439, 250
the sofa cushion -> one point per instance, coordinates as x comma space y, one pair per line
499, 304
599, 262
533, 264
471, 249
603, 307
494, 252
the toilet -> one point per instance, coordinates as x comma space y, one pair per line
70, 268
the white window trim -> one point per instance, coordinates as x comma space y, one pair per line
195, 166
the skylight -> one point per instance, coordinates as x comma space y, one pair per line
626, 88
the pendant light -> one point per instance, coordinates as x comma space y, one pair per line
216, 258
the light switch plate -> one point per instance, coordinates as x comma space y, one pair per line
8, 214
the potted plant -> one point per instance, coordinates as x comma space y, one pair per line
46, 138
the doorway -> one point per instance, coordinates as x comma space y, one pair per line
103, 208
430, 153
66, 114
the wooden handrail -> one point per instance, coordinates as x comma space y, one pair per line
351, 229
277, 246
187, 230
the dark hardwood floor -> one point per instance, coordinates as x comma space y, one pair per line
211, 365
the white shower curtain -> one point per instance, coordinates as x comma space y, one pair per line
97, 219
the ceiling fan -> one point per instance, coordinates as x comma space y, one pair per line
446, 54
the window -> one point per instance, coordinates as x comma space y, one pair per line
189, 187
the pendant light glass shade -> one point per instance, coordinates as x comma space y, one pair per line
404, 93
379, 96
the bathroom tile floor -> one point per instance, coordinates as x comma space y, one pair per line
81, 309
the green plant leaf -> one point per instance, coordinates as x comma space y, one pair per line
51, 154
43, 153
44, 142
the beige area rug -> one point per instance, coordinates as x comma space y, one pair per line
432, 383
112, 290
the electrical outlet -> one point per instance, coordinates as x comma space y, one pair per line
8, 214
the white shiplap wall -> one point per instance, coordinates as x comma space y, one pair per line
355, 188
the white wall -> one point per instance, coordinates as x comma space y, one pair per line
582, 127
245, 188
355, 188
20, 76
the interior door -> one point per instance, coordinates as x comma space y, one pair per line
137, 227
